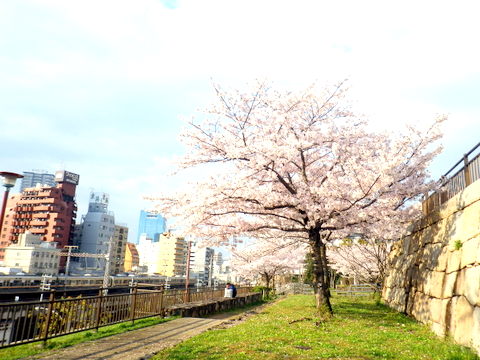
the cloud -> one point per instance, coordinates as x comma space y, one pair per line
98, 87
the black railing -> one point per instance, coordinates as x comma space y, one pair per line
32, 321
451, 185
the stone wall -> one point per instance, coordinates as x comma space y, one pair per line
204, 308
435, 271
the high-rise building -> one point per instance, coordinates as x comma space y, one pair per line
168, 256
96, 229
202, 264
33, 178
117, 255
218, 263
151, 223
45, 211
172, 258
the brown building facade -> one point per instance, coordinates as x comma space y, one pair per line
48, 212
117, 256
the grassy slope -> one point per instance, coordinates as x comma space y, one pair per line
290, 329
21, 351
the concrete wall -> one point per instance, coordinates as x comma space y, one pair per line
435, 271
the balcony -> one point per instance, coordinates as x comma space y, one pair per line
42, 208
39, 223
41, 216
38, 231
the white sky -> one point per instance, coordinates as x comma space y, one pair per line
98, 87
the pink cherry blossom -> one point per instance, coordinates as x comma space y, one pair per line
299, 166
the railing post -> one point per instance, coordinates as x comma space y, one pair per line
99, 311
186, 296
51, 302
160, 310
466, 171
134, 303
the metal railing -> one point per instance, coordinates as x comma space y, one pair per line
451, 185
27, 322
355, 290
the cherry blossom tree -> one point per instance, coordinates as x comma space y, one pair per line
267, 260
364, 259
298, 165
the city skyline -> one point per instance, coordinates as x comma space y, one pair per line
99, 89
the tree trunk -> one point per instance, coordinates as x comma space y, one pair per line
321, 278
267, 280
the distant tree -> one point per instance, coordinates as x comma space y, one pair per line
361, 258
299, 165
267, 260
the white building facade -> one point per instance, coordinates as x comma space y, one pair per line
95, 231
33, 256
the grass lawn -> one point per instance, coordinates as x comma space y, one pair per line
291, 329
21, 351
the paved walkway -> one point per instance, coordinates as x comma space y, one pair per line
137, 344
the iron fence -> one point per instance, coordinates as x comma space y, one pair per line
27, 322
451, 185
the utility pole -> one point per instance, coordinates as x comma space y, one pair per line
210, 272
67, 266
187, 275
45, 285
106, 274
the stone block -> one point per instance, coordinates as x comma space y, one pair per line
411, 301
414, 246
416, 278
397, 279
472, 285
438, 229
420, 309
405, 242
469, 252
470, 195
438, 329
434, 284
432, 254
437, 310
442, 259
476, 330
449, 285
386, 293
462, 314
449, 208
453, 260
460, 284
466, 223
398, 296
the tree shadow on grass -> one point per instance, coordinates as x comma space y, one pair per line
371, 311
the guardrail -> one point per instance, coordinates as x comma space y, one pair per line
355, 290
450, 186
27, 322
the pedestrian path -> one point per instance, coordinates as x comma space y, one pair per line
137, 344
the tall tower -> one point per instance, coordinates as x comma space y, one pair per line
45, 211
32, 178
203, 263
97, 227
117, 256
151, 223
